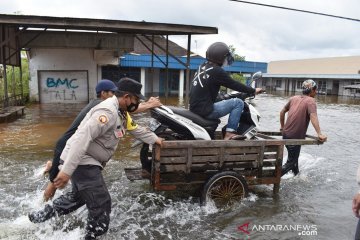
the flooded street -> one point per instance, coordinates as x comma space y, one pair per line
319, 198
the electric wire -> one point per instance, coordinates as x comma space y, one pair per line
297, 10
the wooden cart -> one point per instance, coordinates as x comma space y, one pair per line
222, 169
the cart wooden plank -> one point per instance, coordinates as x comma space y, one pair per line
195, 161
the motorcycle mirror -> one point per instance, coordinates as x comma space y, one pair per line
256, 76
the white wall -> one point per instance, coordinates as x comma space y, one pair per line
332, 65
152, 77
156, 80
63, 60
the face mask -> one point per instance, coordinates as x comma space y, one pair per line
132, 107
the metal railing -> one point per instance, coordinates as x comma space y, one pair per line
16, 100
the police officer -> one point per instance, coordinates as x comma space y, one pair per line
104, 89
88, 151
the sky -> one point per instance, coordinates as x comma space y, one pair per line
259, 33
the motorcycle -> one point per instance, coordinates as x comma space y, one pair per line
176, 123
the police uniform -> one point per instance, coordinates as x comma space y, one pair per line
85, 154
97, 137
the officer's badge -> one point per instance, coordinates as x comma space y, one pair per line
103, 119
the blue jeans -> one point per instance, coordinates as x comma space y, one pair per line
234, 106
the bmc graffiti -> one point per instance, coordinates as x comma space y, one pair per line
70, 84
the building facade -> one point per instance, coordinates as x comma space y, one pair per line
153, 76
66, 54
334, 76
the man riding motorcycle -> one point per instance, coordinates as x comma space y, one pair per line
206, 84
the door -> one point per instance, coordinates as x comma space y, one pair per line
63, 86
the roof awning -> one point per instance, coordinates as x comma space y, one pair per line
354, 86
313, 76
117, 26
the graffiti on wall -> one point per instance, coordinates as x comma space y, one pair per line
53, 86
63, 86
51, 82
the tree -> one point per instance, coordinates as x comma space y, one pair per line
17, 87
239, 77
237, 57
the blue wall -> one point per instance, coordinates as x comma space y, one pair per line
144, 61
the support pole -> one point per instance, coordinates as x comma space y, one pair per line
13, 86
181, 83
22, 102
187, 88
167, 69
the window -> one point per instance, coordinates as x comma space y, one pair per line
114, 73
321, 86
173, 83
278, 83
299, 84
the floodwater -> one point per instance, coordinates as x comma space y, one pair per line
313, 205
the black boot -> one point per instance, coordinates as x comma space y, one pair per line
295, 169
286, 167
42, 215
90, 236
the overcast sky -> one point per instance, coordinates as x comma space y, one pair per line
258, 33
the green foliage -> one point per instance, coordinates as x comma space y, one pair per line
239, 77
237, 57
17, 87
236, 76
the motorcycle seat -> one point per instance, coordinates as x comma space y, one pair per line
194, 117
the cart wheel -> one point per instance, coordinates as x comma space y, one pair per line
224, 189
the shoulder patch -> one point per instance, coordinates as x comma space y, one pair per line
103, 119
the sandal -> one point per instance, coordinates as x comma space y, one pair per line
237, 137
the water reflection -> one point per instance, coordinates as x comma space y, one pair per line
321, 195
326, 99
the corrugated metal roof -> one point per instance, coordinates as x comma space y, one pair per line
315, 76
354, 86
174, 48
144, 60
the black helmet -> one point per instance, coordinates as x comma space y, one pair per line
218, 52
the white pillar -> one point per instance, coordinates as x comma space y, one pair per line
181, 83
142, 80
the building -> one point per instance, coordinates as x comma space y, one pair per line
161, 75
334, 76
66, 55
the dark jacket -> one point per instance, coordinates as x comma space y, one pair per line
206, 85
